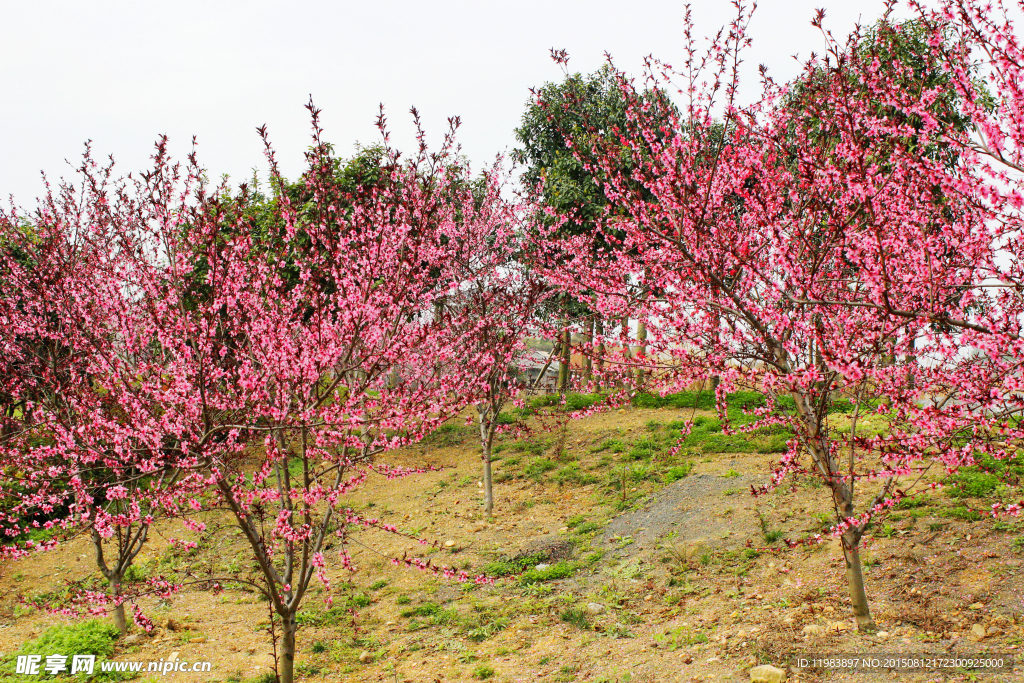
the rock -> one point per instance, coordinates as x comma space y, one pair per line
977, 605
766, 673
542, 566
133, 639
813, 630
171, 624
563, 529
449, 543
173, 657
594, 608
882, 635
198, 640
978, 632
365, 657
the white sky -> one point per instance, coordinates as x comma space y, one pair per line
120, 73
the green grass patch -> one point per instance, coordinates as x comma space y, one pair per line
576, 616
678, 472
573, 474
93, 637
962, 513
560, 570
512, 566
538, 468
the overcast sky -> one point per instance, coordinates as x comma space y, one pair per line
120, 73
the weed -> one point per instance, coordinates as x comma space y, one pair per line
483, 672
448, 435
486, 629
643, 449
577, 617
377, 585
556, 571
575, 521
403, 600
962, 513
678, 472
680, 637
536, 469
94, 637
318, 647
512, 566
731, 473
573, 474
970, 483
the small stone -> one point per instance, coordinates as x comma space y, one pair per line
563, 529
365, 657
766, 673
594, 608
977, 605
882, 635
171, 624
541, 567
132, 639
449, 543
648, 597
813, 630
173, 657
198, 640
978, 632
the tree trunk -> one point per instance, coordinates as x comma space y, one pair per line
588, 364
286, 667
599, 329
855, 578
488, 486
842, 498
641, 350
115, 592
486, 441
563, 369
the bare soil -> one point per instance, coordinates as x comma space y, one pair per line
689, 581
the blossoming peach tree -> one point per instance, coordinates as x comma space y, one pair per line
255, 358
830, 242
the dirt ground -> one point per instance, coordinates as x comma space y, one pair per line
684, 581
